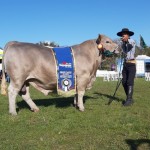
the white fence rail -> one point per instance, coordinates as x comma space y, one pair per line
147, 76
108, 75
112, 77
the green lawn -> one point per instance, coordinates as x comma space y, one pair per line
59, 126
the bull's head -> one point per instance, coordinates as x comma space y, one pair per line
106, 46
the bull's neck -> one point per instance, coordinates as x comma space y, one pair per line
97, 52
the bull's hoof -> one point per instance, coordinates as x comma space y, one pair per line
81, 109
88, 88
45, 93
35, 109
13, 113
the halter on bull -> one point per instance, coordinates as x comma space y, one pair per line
28, 63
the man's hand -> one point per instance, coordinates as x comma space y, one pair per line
129, 47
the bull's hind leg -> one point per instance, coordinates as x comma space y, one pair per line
12, 94
26, 97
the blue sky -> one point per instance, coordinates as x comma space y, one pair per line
69, 22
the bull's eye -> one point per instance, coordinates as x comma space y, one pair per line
107, 42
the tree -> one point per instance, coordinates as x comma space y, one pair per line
142, 43
48, 43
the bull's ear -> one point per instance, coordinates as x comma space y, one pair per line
98, 41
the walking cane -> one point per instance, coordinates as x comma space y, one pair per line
119, 79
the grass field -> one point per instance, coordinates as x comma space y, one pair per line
59, 126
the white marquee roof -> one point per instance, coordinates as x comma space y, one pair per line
142, 57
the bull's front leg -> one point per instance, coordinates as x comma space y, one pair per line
80, 100
75, 100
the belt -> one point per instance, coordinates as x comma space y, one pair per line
130, 61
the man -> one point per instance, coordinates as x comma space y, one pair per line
129, 66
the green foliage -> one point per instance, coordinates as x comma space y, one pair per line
59, 126
47, 43
107, 62
146, 51
142, 43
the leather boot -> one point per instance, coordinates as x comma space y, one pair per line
129, 100
125, 89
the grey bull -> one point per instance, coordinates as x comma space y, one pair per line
28, 63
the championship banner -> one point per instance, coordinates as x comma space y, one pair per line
66, 80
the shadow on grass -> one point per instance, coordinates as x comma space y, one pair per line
110, 97
138, 144
60, 102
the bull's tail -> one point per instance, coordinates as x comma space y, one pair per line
3, 85
3, 82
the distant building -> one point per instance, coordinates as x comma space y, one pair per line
142, 65
1, 54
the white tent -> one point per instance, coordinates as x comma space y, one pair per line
1, 54
142, 65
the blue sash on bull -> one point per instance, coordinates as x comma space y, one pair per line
66, 79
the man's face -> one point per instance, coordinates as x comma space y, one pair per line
125, 37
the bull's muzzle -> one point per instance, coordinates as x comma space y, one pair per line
116, 51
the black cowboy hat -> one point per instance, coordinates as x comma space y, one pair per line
125, 30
